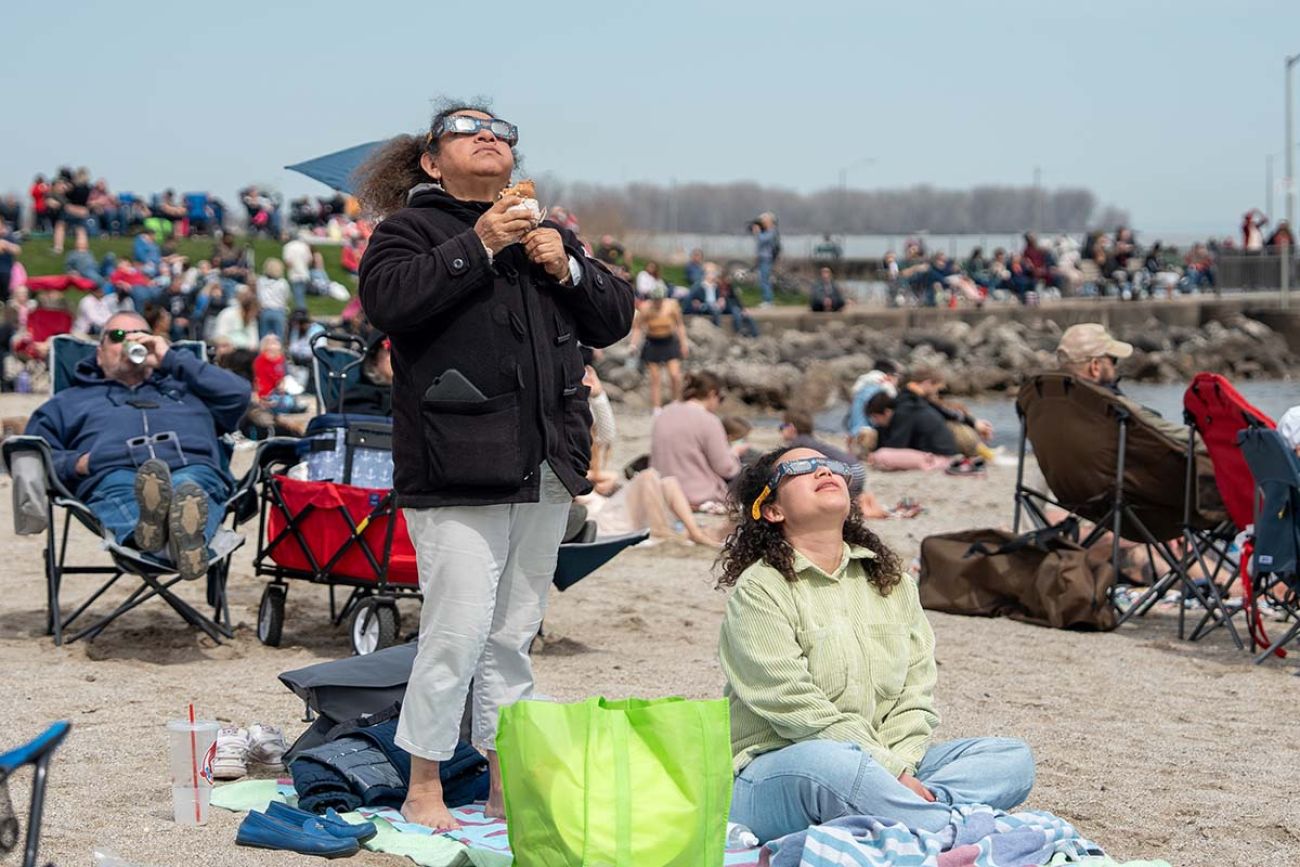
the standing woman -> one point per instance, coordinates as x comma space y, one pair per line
659, 329
491, 430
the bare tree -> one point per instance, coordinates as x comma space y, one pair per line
727, 208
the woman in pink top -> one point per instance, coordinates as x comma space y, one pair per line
688, 443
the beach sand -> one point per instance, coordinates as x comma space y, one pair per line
1152, 746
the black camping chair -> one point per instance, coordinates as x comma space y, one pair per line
1105, 464
1275, 566
37, 753
335, 368
39, 492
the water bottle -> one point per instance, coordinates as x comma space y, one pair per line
23, 382
740, 837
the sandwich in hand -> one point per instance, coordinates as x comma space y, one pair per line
528, 192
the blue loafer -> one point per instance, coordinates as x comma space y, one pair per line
307, 838
333, 822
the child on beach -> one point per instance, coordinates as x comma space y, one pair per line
830, 669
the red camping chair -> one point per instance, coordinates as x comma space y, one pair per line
1218, 412
59, 283
43, 323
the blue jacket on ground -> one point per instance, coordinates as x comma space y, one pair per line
97, 416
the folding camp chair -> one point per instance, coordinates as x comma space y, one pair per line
335, 368
37, 753
1218, 413
1103, 463
39, 491
1276, 471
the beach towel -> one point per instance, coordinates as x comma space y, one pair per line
978, 836
481, 842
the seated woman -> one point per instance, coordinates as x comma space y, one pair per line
830, 668
649, 501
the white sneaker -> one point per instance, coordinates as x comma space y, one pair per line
266, 745
231, 760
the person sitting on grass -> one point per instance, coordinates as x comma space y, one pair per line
825, 296
137, 443
269, 372
830, 668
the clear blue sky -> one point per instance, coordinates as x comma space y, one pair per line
1166, 108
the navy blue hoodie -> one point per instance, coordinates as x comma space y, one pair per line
196, 400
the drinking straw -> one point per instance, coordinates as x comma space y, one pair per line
194, 766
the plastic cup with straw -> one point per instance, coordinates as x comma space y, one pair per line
191, 746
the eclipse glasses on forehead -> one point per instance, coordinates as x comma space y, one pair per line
460, 124
800, 467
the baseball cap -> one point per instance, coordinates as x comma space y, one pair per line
1090, 340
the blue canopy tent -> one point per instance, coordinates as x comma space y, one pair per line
335, 170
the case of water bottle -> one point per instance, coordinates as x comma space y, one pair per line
350, 449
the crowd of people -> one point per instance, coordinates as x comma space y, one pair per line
71, 202
1106, 264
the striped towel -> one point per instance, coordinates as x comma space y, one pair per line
978, 836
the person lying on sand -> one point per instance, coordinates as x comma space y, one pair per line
830, 670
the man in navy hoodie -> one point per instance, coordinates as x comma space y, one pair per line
138, 442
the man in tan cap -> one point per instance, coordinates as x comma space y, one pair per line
1088, 351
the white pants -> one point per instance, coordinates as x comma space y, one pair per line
484, 572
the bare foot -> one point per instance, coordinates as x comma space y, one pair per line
703, 538
429, 811
495, 808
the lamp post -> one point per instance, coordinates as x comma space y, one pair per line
1268, 184
1289, 155
844, 188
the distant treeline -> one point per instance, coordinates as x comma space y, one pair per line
727, 208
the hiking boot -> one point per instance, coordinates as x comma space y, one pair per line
231, 759
266, 745
187, 524
153, 496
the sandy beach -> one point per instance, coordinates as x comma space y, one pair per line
1152, 746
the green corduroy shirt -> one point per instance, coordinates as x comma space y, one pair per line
826, 656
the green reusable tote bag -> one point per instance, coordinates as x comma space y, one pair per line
629, 783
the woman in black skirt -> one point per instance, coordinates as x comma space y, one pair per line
659, 329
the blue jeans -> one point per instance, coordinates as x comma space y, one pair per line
113, 499
765, 279
813, 782
299, 288
272, 321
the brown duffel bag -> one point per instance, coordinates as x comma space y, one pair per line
1044, 577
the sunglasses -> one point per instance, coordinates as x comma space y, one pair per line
119, 335
459, 124
800, 467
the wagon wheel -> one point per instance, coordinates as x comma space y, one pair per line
270, 614
374, 626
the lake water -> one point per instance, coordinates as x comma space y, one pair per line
1273, 397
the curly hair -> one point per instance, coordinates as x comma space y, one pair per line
753, 540
388, 174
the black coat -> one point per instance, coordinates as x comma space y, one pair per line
510, 329
917, 424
